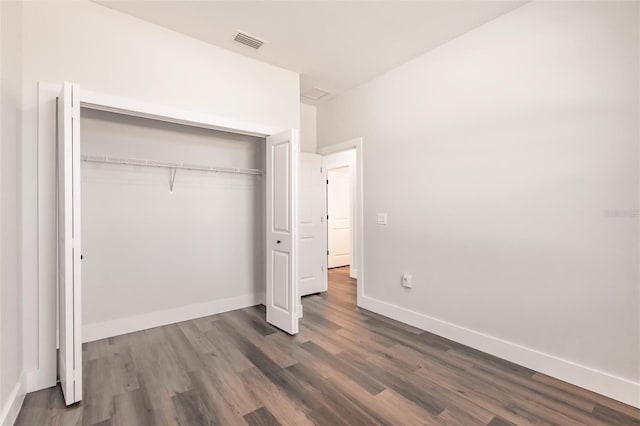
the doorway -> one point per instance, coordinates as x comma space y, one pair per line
339, 174
348, 154
341, 163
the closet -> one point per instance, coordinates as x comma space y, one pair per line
165, 215
167, 222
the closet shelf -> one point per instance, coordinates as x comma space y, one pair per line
167, 165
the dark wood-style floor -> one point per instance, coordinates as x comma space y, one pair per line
347, 366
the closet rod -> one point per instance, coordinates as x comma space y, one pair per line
167, 165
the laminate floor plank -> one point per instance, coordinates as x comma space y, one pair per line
131, 409
559, 407
191, 409
347, 366
350, 409
355, 372
284, 409
157, 398
565, 388
261, 417
215, 401
281, 357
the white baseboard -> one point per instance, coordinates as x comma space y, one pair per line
40, 379
594, 380
12, 406
102, 330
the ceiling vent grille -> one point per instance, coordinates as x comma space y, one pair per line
248, 40
315, 94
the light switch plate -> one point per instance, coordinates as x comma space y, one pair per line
382, 218
407, 280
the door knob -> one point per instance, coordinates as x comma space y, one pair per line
278, 241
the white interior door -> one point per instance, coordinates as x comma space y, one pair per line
69, 297
282, 230
310, 212
339, 221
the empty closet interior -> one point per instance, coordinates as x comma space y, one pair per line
172, 221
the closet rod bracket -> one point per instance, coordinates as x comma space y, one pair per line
173, 179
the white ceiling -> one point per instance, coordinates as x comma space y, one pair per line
333, 45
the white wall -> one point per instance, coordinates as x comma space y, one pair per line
11, 366
147, 250
109, 52
307, 128
507, 160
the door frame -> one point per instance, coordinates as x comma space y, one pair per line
40, 354
358, 209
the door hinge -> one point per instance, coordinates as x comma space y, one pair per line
327, 181
327, 252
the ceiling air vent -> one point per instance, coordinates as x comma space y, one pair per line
315, 94
248, 40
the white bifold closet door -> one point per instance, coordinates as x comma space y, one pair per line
310, 212
282, 230
69, 254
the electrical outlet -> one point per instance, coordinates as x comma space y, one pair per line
382, 218
407, 280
